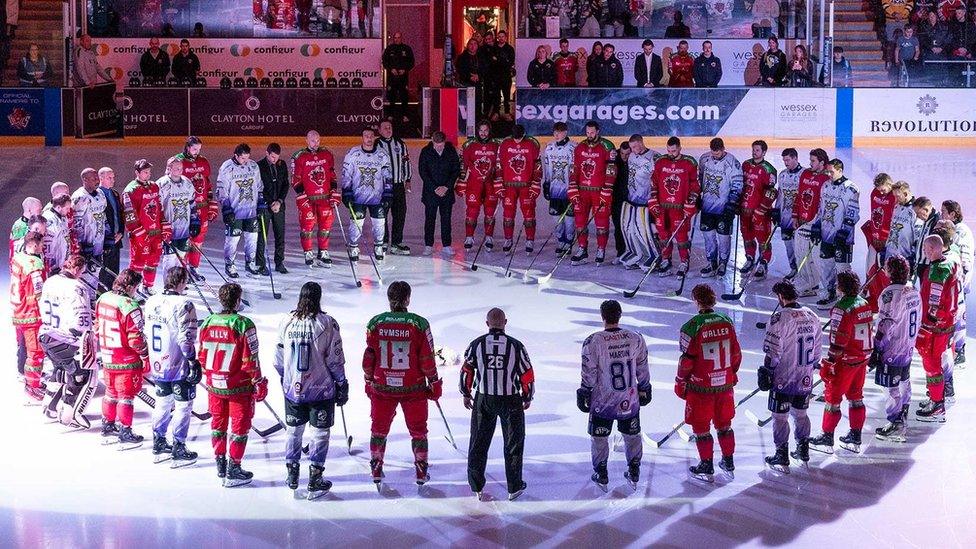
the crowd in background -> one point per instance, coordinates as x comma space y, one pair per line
928, 41
487, 64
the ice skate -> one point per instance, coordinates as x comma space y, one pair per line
447, 251
310, 259
428, 251
378, 252
129, 440
507, 246
760, 271
851, 441
236, 476
489, 244
682, 270
110, 433
633, 474
710, 270
780, 461
181, 456
809, 292
35, 395
195, 275
827, 303
354, 253
893, 431
230, 270
793, 270
317, 486
727, 464
748, 265
600, 477
949, 390
324, 259
529, 246
663, 268
721, 270
802, 453
704, 471
376, 472
960, 359
162, 450
291, 479
579, 257
512, 496
252, 268
933, 413
824, 443
221, 462
468, 243
420, 468
600, 256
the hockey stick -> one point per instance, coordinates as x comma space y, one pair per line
736, 296
151, 401
474, 262
220, 274
511, 256
114, 274
450, 436
274, 428
525, 275
195, 285
681, 285
548, 277
342, 230
654, 264
682, 424
264, 231
342, 412
372, 257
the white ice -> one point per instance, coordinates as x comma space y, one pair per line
65, 490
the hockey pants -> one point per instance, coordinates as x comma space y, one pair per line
638, 237
933, 348
667, 225
845, 382
590, 202
246, 228
144, 254
833, 259
34, 354
717, 232
488, 409
121, 387
756, 230
174, 401
376, 213
315, 220
959, 335
383, 410
702, 410
235, 411
476, 197
565, 230
518, 198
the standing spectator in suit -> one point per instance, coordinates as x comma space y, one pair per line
439, 168
154, 63
505, 70
114, 227
186, 64
708, 68
772, 65
593, 62
274, 176
398, 61
648, 69
542, 71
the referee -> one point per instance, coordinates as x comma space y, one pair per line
498, 373
399, 155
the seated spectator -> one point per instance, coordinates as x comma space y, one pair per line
772, 64
566, 64
800, 74
648, 69
681, 68
678, 29
948, 7
935, 47
764, 13
963, 31
467, 66
591, 26
198, 30
841, 68
186, 65
708, 68
87, 71
593, 62
908, 53
168, 31
542, 71
154, 63
34, 70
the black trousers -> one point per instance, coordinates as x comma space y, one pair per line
397, 94
491, 101
273, 222
618, 234
487, 410
430, 217
110, 260
21, 352
506, 88
398, 213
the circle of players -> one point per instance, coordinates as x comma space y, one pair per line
918, 273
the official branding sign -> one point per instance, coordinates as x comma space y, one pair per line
914, 113
151, 112
219, 58
21, 111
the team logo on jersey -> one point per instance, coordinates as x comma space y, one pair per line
671, 184
877, 217
559, 169
830, 209
806, 198
517, 163
317, 175
588, 169
789, 196
367, 176
152, 210
713, 184
247, 189
482, 165
181, 209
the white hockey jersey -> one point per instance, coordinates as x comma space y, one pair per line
903, 238
793, 347
178, 199
239, 186
640, 168
788, 184
899, 318
721, 181
309, 358
964, 243
838, 209
65, 309
57, 240
614, 367
557, 167
366, 176
89, 219
170, 327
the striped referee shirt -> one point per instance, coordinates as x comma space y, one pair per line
399, 158
498, 365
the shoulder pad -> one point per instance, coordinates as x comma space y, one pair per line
887, 295
768, 167
298, 153
606, 143
775, 318
690, 158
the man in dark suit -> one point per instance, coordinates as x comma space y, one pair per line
114, 227
648, 69
274, 175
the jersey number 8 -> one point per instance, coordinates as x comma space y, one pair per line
618, 378
394, 355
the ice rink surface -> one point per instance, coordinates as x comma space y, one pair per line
61, 489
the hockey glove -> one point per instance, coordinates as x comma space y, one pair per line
166, 232
435, 389
644, 395
583, 395
875, 361
87, 249
827, 370
815, 234
212, 213
547, 190
680, 388
195, 373
765, 378
227, 212
775, 215
195, 226
348, 196
731, 208
341, 393
260, 389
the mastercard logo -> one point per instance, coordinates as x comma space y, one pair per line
256, 72
310, 50
101, 49
172, 49
116, 73
323, 73
238, 50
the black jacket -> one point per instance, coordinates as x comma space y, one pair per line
640, 70
593, 63
708, 71
506, 62
610, 74
439, 170
398, 56
541, 73
275, 179
154, 68
114, 217
466, 66
186, 66
488, 63
772, 65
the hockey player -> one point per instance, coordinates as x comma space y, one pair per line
27, 276
148, 231
833, 230
240, 194
927, 218
876, 231
497, 382
899, 317
792, 348
367, 188
788, 184
674, 196
758, 198
720, 174
229, 355
615, 384
67, 339
316, 196
939, 293
952, 211
518, 173
88, 226
196, 168
31, 207
180, 212
845, 366
557, 169
591, 191
399, 367
311, 363
805, 208
902, 240
706, 378
119, 327
476, 184
57, 239
635, 220
171, 330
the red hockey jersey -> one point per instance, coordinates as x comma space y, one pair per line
313, 174
807, 200
566, 69
143, 211
851, 332
710, 353
758, 187
594, 169
518, 164
197, 170
674, 183
478, 162
119, 329
680, 67
26, 280
940, 296
877, 228
399, 353
229, 354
